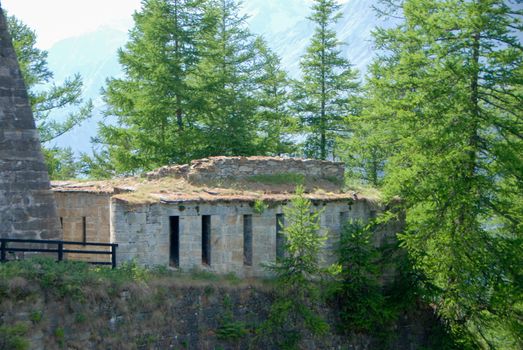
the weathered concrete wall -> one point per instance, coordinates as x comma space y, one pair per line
213, 168
143, 233
73, 209
27, 208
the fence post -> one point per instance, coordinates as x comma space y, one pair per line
60, 251
113, 255
3, 247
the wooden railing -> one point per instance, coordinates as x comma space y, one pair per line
59, 250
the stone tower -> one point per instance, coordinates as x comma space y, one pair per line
27, 206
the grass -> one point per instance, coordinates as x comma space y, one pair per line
65, 279
147, 192
364, 190
77, 280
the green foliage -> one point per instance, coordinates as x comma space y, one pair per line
204, 275
153, 102
272, 95
60, 279
146, 340
361, 303
59, 334
98, 165
50, 102
13, 337
445, 98
68, 278
327, 91
36, 316
80, 318
131, 270
298, 295
229, 329
259, 206
224, 82
61, 163
197, 83
364, 152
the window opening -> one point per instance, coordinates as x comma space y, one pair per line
280, 238
247, 240
206, 239
174, 241
84, 229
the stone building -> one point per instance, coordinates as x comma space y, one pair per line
27, 208
222, 214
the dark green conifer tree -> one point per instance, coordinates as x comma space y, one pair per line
323, 95
153, 105
224, 83
277, 125
447, 99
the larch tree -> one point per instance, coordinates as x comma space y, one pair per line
224, 83
446, 97
296, 274
276, 123
322, 97
152, 103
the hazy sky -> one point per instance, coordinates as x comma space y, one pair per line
54, 20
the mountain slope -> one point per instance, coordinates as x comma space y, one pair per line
354, 30
94, 57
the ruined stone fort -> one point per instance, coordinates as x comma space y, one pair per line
221, 214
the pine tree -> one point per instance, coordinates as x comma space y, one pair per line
224, 83
277, 126
296, 276
62, 163
323, 95
153, 103
447, 97
361, 148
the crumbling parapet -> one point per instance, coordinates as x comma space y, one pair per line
217, 168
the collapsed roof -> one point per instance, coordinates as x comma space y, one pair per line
225, 179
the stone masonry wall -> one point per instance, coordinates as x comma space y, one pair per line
143, 233
209, 169
173, 314
27, 208
73, 207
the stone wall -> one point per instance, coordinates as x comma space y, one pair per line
173, 314
210, 169
27, 208
85, 216
143, 233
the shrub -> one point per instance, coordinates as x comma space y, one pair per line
361, 303
259, 206
295, 309
12, 337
